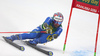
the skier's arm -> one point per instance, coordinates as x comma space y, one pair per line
46, 23
54, 35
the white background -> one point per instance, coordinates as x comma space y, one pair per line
25, 15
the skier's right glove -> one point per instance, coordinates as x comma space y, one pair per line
46, 27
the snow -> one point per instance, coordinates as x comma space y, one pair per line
25, 15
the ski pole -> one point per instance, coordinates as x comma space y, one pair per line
26, 32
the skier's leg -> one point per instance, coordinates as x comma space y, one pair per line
34, 41
42, 39
25, 35
45, 38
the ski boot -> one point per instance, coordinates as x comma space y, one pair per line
34, 42
13, 37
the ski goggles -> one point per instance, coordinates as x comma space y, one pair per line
56, 22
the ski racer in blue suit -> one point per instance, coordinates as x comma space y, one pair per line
52, 26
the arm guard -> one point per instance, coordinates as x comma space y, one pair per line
45, 26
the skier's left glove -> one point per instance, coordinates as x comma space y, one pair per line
55, 36
52, 37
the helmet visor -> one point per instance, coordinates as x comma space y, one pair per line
57, 22
59, 19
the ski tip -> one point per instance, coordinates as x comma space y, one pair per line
4, 37
50, 53
22, 48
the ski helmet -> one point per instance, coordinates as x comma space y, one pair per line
57, 18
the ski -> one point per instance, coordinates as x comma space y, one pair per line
14, 44
39, 49
33, 46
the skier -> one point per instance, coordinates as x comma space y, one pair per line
52, 26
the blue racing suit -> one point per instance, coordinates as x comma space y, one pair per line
42, 37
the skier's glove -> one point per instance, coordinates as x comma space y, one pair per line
50, 38
49, 31
45, 26
55, 36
